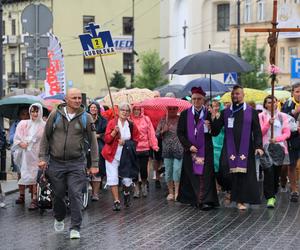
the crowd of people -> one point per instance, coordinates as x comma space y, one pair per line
205, 150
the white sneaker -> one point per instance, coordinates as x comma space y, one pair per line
74, 234
59, 225
2, 205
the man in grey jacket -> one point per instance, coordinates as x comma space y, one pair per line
63, 150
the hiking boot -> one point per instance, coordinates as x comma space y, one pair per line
144, 190
59, 225
74, 234
294, 197
157, 184
271, 202
127, 199
117, 206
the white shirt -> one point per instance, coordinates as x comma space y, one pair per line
125, 135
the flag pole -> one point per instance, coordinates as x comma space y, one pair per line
109, 92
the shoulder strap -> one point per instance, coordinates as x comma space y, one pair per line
84, 120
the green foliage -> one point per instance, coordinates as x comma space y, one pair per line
118, 80
151, 66
256, 57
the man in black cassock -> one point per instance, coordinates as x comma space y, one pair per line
197, 183
242, 141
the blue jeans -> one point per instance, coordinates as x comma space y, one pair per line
172, 169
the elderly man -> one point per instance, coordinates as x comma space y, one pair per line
63, 149
243, 139
197, 184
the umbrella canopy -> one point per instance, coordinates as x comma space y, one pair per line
129, 95
174, 88
217, 88
209, 62
10, 106
156, 108
57, 96
52, 103
251, 95
281, 95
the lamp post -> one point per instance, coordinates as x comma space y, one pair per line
239, 35
132, 61
3, 150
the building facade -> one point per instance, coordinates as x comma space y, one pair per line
191, 26
259, 14
69, 19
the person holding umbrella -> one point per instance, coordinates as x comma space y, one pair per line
197, 183
242, 141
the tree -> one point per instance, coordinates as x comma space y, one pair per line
256, 79
118, 80
151, 66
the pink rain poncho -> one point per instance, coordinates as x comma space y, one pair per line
30, 132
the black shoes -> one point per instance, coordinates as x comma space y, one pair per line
117, 206
157, 184
294, 197
126, 199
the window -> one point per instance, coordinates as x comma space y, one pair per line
23, 63
282, 58
260, 10
297, 1
3, 27
13, 63
89, 65
293, 52
127, 25
86, 21
13, 27
127, 61
247, 15
223, 17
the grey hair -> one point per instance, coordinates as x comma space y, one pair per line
124, 104
170, 94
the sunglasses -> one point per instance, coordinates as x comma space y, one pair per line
125, 110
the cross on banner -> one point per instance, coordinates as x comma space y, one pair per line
272, 41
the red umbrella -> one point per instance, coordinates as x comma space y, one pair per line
156, 108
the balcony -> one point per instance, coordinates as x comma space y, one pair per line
16, 80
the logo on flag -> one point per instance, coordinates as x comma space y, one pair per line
96, 44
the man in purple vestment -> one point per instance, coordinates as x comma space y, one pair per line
242, 141
197, 183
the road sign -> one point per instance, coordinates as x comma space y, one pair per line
96, 44
36, 19
295, 68
230, 78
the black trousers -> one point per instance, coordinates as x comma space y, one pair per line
271, 181
143, 158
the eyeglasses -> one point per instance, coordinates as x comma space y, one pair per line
125, 110
197, 99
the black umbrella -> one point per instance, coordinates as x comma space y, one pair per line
174, 88
209, 62
207, 84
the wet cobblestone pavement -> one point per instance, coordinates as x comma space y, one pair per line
154, 223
